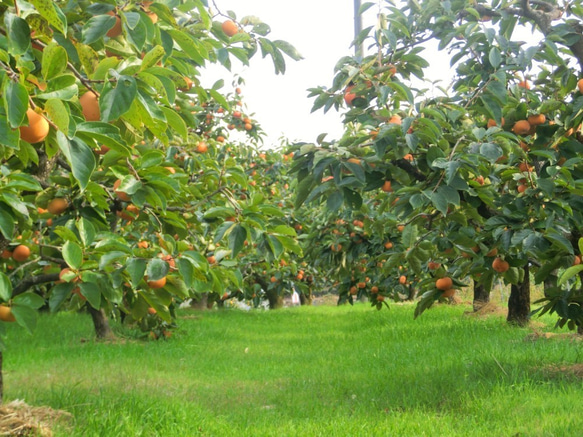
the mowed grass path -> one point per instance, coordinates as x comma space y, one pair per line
314, 371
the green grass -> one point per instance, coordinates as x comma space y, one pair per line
315, 371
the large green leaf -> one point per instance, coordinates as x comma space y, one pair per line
237, 238
136, 268
58, 112
91, 291
73, 254
157, 269
29, 299
96, 28
18, 34
25, 316
54, 61
50, 12
5, 288
115, 102
15, 102
80, 158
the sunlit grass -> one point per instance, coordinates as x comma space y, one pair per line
303, 371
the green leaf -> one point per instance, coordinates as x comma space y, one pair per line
54, 61
91, 291
50, 12
29, 299
25, 317
237, 238
492, 152
58, 112
86, 231
176, 122
569, 273
5, 288
157, 269
18, 33
6, 221
495, 57
136, 268
288, 49
60, 293
96, 28
80, 157
115, 102
15, 102
152, 57
73, 254
186, 270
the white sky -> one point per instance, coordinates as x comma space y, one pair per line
322, 31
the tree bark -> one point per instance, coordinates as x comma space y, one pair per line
201, 303
519, 301
100, 323
306, 299
274, 299
481, 295
1, 380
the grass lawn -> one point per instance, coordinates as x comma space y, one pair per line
310, 371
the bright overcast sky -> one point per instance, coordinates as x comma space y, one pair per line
322, 31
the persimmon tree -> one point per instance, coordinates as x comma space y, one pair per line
472, 177
118, 174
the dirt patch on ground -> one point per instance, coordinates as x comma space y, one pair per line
569, 370
19, 419
489, 309
537, 335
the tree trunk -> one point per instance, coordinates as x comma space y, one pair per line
274, 299
1, 381
102, 329
200, 302
305, 300
481, 295
519, 301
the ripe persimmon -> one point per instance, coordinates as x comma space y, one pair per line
524, 84
158, 283
521, 127
443, 283
395, 119
402, 279
58, 205
90, 106
576, 260
387, 187
37, 129
6, 314
348, 95
202, 147
21, 253
116, 29
448, 293
536, 119
580, 86
230, 27
499, 265
388, 245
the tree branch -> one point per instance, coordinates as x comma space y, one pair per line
31, 281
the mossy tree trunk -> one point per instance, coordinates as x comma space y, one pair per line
519, 301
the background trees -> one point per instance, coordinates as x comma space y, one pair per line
120, 189
477, 179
